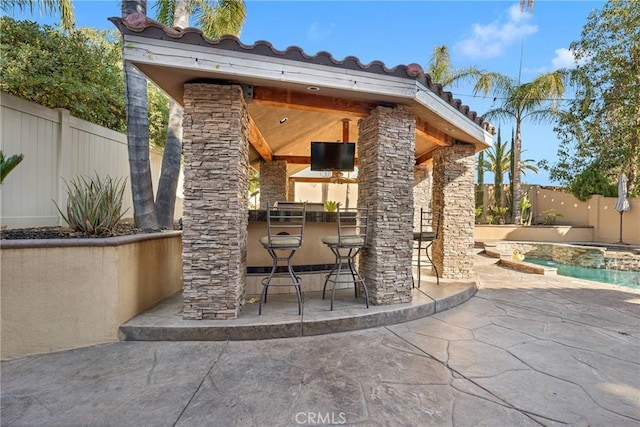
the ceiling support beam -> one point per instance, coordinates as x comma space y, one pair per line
425, 157
259, 142
310, 101
433, 134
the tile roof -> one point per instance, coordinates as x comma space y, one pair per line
138, 23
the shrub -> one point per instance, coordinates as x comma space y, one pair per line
549, 216
591, 181
94, 205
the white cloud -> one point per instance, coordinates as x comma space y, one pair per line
564, 59
491, 40
539, 70
317, 32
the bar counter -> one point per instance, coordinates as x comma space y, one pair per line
313, 260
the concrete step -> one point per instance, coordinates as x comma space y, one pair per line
280, 318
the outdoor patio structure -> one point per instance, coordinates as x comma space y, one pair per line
255, 105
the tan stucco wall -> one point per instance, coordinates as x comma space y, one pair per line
58, 298
538, 233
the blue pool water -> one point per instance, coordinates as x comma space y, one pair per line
630, 279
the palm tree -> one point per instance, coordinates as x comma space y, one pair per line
441, 70
135, 92
536, 101
495, 163
526, 4
215, 19
498, 159
65, 7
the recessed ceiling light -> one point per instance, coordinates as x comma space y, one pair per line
283, 120
450, 129
313, 88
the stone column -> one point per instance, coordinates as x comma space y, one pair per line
386, 152
453, 196
422, 188
273, 182
291, 190
216, 181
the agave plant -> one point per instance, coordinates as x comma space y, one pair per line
8, 164
94, 205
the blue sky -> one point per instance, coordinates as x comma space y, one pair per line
492, 35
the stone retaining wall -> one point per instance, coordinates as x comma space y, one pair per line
582, 256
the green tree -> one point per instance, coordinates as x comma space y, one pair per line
591, 181
49, 7
601, 128
536, 101
215, 18
77, 70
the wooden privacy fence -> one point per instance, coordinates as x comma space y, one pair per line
56, 146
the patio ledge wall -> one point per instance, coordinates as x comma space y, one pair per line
61, 294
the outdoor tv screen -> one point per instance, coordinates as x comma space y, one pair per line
333, 156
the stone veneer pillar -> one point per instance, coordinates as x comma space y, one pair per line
453, 195
386, 155
273, 182
422, 189
216, 180
291, 190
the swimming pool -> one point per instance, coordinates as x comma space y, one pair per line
623, 278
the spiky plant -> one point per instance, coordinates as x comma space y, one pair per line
94, 205
8, 164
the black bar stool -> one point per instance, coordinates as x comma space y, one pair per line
427, 234
285, 227
352, 236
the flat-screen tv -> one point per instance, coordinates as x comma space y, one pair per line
333, 156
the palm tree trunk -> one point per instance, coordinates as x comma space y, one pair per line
517, 153
172, 156
512, 172
144, 212
170, 172
480, 196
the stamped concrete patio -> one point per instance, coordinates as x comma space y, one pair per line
525, 350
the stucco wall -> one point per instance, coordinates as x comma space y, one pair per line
58, 298
538, 233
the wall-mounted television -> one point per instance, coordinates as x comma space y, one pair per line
333, 156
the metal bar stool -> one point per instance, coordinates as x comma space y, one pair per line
427, 233
352, 236
285, 227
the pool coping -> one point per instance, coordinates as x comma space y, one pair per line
506, 260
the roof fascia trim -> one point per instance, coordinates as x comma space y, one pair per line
439, 106
238, 65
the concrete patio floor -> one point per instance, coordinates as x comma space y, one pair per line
525, 350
